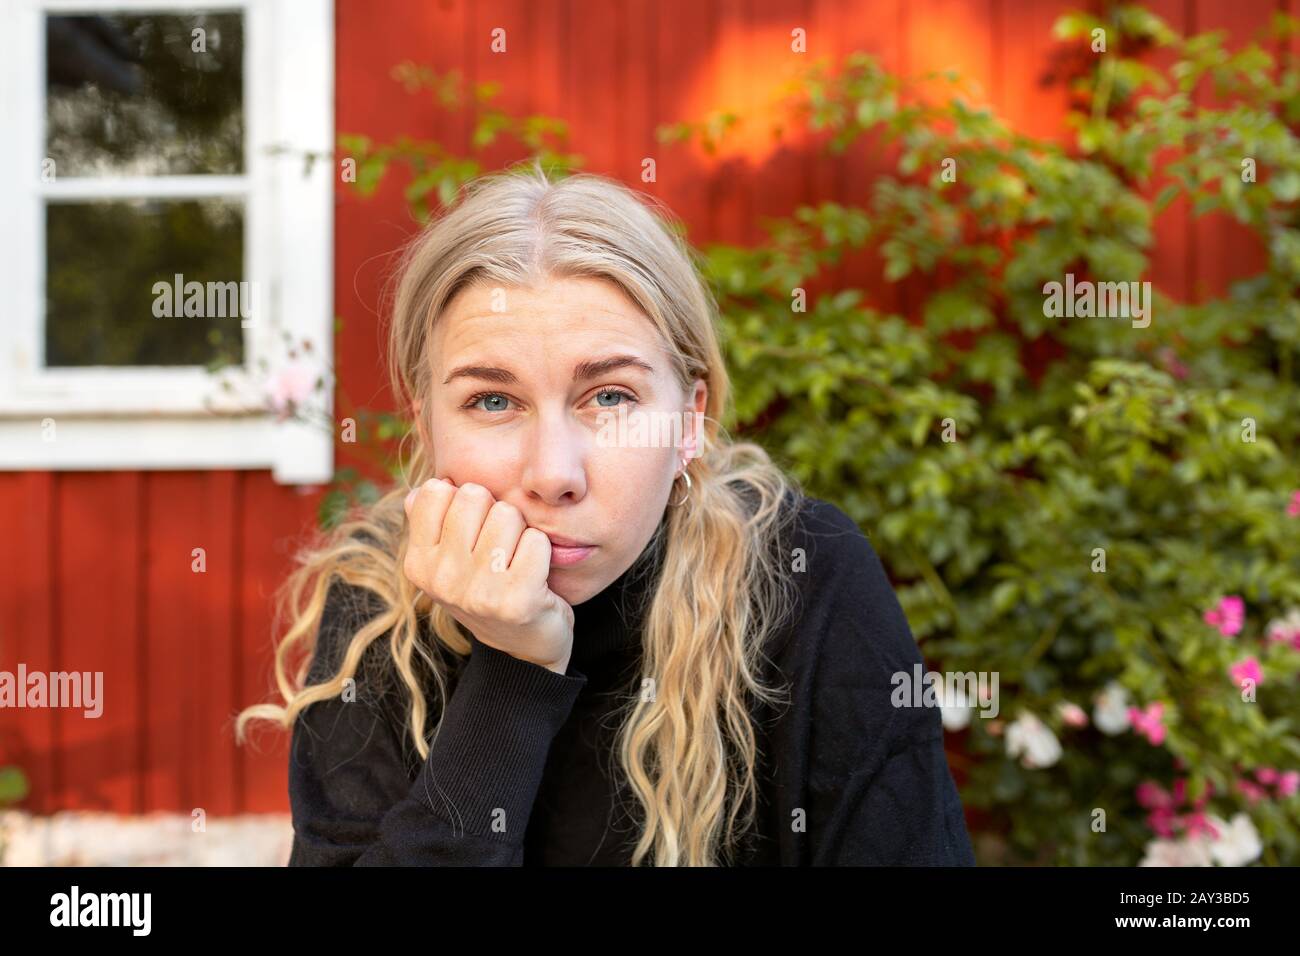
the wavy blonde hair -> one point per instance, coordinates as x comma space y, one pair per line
690, 752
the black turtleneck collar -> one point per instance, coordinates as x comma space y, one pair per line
607, 626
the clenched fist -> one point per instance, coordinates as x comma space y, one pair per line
478, 558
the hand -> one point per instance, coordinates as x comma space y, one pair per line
477, 557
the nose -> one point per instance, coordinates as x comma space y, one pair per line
555, 466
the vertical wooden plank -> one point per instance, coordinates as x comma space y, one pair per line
593, 82
549, 28
215, 783
187, 748
1030, 87
783, 168
741, 60
828, 175
99, 629
685, 36
28, 738
639, 108
512, 67
173, 518
956, 35
880, 34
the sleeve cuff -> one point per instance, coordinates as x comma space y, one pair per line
486, 760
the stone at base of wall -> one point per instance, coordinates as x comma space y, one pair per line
83, 838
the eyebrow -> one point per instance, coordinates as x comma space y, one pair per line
582, 372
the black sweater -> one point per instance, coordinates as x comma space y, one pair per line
522, 771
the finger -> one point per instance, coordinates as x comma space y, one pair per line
465, 516
532, 561
426, 511
499, 537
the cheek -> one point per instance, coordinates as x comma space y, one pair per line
630, 480
463, 456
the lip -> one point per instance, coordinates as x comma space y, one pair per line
566, 552
560, 541
564, 557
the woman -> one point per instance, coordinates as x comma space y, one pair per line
568, 640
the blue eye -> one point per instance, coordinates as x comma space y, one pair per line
500, 403
613, 391
474, 400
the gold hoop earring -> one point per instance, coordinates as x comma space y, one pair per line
687, 493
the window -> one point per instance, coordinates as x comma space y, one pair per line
167, 211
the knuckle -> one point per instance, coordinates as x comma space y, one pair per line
413, 567
475, 492
504, 510
435, 488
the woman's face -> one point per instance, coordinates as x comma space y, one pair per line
528, 390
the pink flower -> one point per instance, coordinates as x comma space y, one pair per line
1293, 507
291, 386
1247, 669
1288, 783
1072, 715
1152, 796
1162, 806
1196, 823
1228, 615
1253, 792
1148, 722
1266, 775
1161, 820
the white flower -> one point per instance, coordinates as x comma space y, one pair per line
1189, 851
1031, 737
1111, 711
1238, 842
1285, 628
954, 709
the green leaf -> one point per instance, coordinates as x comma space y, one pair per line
13, 785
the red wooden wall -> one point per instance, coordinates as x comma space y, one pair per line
96, 567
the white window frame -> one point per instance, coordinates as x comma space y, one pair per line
135, 417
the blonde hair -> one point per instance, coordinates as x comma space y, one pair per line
689, 753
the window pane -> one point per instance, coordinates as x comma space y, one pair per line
145, 95
103, 261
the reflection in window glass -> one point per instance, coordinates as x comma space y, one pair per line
107, 263
145, 95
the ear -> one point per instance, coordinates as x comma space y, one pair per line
693, 435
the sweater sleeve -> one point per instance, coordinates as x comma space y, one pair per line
353, 800
879, 788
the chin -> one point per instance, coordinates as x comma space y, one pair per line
573, 587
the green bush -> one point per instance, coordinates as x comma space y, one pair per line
988, 481
1083, 506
